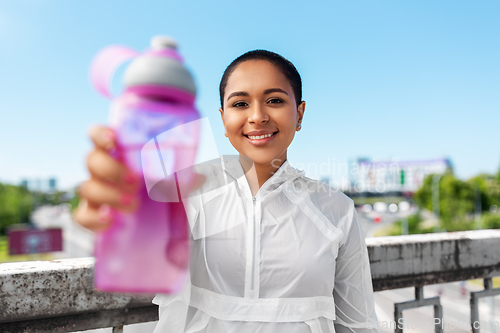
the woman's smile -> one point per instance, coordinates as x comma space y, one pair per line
260, 138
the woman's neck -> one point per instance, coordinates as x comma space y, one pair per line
258, 174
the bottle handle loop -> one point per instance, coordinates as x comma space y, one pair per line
104, 65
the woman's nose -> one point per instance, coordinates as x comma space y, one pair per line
257, 114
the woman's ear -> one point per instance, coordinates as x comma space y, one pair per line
300, 110
222, 116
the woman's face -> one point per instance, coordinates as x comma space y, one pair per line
260, 114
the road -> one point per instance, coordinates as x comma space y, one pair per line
370, 227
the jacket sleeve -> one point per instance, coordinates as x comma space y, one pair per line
353, 290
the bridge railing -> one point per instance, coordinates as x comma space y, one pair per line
58, 296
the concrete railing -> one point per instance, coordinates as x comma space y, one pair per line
418, 260
58, 296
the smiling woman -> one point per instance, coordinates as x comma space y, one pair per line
269, 246
283, 242
261, 114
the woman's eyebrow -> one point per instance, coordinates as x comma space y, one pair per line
272, 90
244, 93
237, 93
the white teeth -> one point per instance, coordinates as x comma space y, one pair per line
258, 137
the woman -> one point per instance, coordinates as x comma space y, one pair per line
268, 244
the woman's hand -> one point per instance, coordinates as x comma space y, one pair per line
111, 184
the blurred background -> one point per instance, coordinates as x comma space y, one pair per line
402, 102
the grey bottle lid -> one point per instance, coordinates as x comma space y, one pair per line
163, 42
158, 67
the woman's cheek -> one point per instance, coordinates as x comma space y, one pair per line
233, 124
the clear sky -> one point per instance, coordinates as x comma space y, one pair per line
382, 79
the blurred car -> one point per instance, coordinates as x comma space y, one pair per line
380, 207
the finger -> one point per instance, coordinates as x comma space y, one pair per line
99, 193
102, 137
92, 218
105, 168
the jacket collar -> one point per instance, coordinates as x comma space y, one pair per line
284, 173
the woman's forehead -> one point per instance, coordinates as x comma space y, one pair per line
256, 75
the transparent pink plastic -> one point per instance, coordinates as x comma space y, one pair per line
148, 251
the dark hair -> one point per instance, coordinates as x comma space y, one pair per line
285, 66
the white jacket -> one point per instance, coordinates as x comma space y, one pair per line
269, 263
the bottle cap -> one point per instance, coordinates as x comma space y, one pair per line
163, 42
162, 66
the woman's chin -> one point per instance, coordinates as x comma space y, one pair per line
262, 159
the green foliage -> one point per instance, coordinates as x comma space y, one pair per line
423, 196
53, 199
458, 200
74, 201
16, 204
490, 221
489, 187
415, 226
493, 190
459, 224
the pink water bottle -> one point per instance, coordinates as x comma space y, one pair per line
157, 132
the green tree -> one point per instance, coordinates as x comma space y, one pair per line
414, 226
456, 200
16, 204
52, 198
491, 221
74, 201
493, 190
489, 187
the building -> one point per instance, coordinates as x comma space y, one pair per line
393, 176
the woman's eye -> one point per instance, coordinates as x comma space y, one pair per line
274, 100
239, 104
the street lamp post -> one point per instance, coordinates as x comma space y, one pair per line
404, 225
435, 200
478, 207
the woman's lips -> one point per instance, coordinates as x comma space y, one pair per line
260, 142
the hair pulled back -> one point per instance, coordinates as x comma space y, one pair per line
282, 64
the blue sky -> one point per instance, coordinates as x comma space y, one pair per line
381, 79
